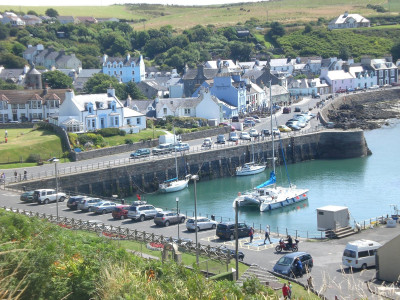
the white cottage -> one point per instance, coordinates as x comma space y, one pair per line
91, 112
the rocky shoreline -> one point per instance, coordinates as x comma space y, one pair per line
368, 110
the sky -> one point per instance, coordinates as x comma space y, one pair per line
110, 2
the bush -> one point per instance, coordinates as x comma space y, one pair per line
128, 141
33, 158
106, 132
122, 133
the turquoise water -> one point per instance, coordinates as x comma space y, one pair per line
366, 185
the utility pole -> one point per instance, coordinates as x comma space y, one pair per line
236, 240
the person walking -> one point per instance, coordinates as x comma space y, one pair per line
299, 267
15, 175
267, 235
289, 285
25, 175
251, 234
285, 291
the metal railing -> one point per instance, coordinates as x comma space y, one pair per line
123, 233
126, 161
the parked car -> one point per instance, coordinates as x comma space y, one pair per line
221, 139
232, 253
297, 109
142, 212
103, 207
293, 126
235, 119
166, 218
202, 223
284, 128
374, 87
233, 137
287, 110
182, 147
256, 119
163, 149
120, 212
265, 132
207, 143
249, 123
86, 203
140, 153
286, 266
226, 230
73, 201
253, 132
276, 132
245, 136
27, 196
45, 196
316, 96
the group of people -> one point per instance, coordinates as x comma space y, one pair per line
251, 235
287, 290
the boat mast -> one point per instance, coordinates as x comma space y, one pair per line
272, 133
176, 161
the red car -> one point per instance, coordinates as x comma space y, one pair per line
120, 212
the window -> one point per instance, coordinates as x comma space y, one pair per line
133, 72
120, 72
363, 254
187, 111
138, 121
35, 115
380, 73
88, 124
165, 110
1, 104
128, 121
116, 121
22, 106
392, 72
93, 123
14, 106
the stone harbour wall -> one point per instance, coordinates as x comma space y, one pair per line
145, 176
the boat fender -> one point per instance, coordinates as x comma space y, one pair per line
239, 193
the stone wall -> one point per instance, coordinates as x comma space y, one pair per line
16, 125
145, 176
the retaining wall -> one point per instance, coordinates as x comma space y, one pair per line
145, 176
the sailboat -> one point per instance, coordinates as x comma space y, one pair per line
174, 184
250, 168
269, 196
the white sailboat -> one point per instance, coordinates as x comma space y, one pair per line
250, 168
174, 184
269, 196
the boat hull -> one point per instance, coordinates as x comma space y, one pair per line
174, 186
288, 197
250, 171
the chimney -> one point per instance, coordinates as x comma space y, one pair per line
128, 57
346, 67
69, 95
128, 101
105, 57
111, 92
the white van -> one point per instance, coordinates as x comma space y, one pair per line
360, 254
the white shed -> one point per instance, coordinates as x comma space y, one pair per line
332, 217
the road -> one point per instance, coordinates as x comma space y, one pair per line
328, 275
48, 170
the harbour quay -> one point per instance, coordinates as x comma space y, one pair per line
145, 175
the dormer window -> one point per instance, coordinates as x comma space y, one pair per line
113, 106
90, 108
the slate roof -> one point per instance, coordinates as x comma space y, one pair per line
121, 59
21, 97
208, 73
345, 18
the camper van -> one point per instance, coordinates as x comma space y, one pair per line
360, 254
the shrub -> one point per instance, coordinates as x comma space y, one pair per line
106, 132
33, 158
122, 133
128, 141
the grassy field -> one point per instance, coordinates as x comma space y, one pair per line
25, 141
136, 137
183, 17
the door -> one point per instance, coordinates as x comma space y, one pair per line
102, 123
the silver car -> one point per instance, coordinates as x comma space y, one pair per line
103, 207
142, 212
166, 218
86, 203
202, 223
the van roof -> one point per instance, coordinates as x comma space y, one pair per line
364, 243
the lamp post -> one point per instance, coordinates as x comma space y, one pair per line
195, 178
55, 160
177, 213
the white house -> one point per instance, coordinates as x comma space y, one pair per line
204, 106
349, 21
97, 111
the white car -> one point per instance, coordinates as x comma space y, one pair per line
202, 223
245, 136
253, 132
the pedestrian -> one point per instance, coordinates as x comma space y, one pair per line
285, 291
267, 234
25, 175
289, 285
251, 234
299, 267
6, 134
3, 178
15, 175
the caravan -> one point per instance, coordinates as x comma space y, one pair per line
360, 254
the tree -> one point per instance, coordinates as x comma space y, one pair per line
4, 31
51, 12
133, 91
240, 51
4, 85
395, 51
57, 80
307, 28
99, 83
18, 48
277, 30
11, 61
32, 12
344, 53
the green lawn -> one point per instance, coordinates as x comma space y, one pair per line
135, 137
25, 141
262, 41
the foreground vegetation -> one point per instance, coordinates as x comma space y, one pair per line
39, 260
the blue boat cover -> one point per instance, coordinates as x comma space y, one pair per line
171, 179
271, 180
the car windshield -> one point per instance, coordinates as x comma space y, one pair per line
132, 208
159, 215
191, 221
349, 253
285, 261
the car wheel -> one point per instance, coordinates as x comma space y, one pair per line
122, 217
214, 226
166, 224
62, 199
183, 220
241, 258
232, 237
46, 201
141, 218
278, 249
364, 267
103, 211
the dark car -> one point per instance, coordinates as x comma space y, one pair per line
27, 196
73, 201
265, 132
120, 212
286, 264
226, 230
166, 218
235, 119
232, 253
140, 153
287, 110
297, 109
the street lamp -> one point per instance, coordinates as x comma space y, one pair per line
177, 213
195, 178
55, 160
